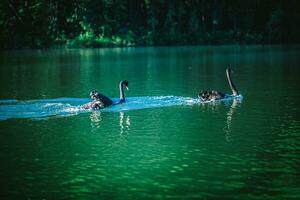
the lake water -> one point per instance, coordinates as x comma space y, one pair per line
163, 142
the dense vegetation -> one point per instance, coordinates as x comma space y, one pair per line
100, 23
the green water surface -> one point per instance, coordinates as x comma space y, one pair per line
228, 150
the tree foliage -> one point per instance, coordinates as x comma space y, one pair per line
98, 23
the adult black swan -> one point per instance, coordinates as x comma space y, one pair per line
101, 101
212, 95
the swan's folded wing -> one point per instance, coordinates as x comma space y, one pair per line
94, 105
105, 100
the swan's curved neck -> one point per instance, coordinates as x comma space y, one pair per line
231, 84
122, 97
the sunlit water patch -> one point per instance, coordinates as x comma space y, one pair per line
62, 107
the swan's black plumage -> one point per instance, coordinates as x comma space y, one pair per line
211, 95
101, 101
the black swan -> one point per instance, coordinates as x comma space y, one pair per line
212, 95
101, 101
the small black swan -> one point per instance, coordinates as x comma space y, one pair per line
216, 95
100, 101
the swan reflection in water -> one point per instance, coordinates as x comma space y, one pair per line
124, 123
229, 115
95, 119
215, 106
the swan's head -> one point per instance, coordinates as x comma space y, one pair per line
94, 94
125, 83
229, 70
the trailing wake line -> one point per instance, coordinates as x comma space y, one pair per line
61, 107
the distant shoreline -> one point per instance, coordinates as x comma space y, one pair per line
65, 47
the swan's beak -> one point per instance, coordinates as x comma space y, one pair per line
127, 87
